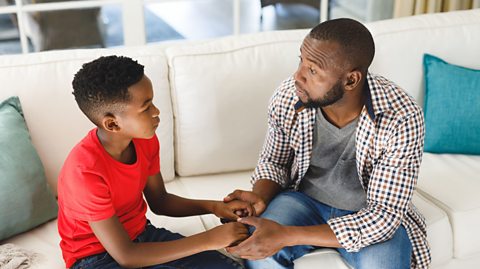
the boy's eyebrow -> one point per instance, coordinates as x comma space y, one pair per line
146, 102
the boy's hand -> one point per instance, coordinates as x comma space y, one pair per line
226, 235
233, 210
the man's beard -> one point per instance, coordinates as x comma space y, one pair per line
331, 97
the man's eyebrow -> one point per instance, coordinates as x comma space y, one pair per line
316, 61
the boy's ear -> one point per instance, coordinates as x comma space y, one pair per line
109, 123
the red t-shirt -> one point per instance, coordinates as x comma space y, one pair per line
93, 186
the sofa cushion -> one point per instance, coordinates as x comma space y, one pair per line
25, 200
214, 187
452, 110
452, 183
220, 91
439, 231
44, 239
401, 43
43, 83
184, 225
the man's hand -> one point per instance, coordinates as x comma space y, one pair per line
267, 239
232, 210
250, 197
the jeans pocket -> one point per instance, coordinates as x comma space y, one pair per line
92, 261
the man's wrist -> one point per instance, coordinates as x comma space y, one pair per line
291, 236
266, 189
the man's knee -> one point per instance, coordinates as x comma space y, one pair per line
395, 253
290, 208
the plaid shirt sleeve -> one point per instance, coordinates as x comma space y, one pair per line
390, 186
276, 155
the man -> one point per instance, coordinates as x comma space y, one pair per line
340, 162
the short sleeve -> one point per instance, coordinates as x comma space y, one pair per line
88, 196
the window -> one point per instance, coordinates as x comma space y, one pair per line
37, 25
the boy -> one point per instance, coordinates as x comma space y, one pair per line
101, 218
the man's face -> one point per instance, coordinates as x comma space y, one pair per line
139, 117
319, 77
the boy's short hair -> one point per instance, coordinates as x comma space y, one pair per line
101, 86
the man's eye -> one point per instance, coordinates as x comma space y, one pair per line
312, 71
300, 58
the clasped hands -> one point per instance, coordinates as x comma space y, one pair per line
267, 238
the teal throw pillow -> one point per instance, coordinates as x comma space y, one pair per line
452, 107
25, 200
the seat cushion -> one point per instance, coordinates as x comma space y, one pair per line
452, 183
217, 186
186, 225
45, 239
322, 258
439, 230
214, 187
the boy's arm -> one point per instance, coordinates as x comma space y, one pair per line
163, 203
116, 241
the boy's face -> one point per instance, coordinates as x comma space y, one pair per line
140, 117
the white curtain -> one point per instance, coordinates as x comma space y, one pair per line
404, 8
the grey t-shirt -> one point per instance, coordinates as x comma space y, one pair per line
332, 176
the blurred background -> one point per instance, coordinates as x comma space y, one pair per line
28, 26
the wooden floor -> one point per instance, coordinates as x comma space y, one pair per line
197, 19
201, 19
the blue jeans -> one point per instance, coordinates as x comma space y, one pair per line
203, 260
298, 209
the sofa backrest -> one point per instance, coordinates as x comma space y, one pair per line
43, 83
401, 43
220, 91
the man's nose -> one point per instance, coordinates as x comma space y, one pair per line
298, 76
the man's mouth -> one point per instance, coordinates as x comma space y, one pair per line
299, 90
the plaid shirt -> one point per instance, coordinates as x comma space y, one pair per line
389, 148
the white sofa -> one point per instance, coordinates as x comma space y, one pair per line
213, 98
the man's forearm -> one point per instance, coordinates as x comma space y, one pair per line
318, 235
266, 189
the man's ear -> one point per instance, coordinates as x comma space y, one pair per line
110, 123
353, 80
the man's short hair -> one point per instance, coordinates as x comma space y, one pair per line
100, 87
353, 37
